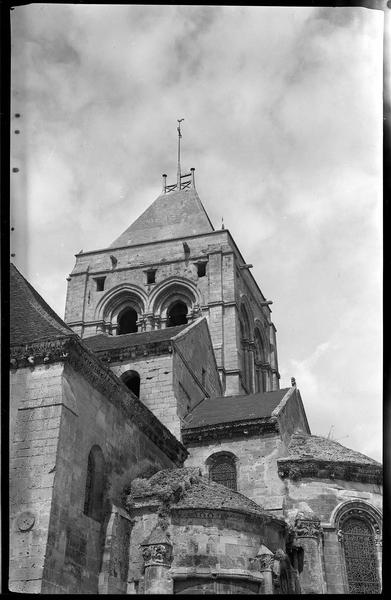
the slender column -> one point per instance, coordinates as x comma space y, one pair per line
379, 554
266, 560
141, 323
252, 354
149, 322
308, 535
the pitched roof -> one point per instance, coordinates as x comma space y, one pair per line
227, 409
303, 447
172, 215
195, 491
101, 342
31, 318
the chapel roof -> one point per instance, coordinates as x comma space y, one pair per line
31, 318
102, 341
303, 447
190, 489
226, 409
175, 214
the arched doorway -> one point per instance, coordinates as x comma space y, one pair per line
127, 321
177, 314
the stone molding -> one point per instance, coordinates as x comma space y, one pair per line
357, 508
213, 514
298, 468
208, 572
43, 352
234, 429
72, 351
132, 352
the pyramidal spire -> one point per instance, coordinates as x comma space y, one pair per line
177, 212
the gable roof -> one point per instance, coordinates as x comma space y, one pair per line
172, 215
102, 342
229, 409
31, 318
303, 446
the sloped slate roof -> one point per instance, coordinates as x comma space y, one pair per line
31, 318
172, 215
304, 447
226, 409
102, 342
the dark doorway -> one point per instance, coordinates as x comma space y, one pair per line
177, 314
127, 321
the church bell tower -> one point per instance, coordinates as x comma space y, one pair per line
169, 267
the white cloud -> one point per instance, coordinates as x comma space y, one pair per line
283, 117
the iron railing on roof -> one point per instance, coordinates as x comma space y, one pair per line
184, 182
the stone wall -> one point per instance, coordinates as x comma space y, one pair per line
156, 387
54, 546
218, 293
35, 415
172, 384
256, 465
194, 366
291, 415
205, 542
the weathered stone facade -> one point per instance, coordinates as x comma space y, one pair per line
238, 314
169, 360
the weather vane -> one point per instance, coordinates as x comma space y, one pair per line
179, 153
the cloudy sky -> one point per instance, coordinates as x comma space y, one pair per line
283, 123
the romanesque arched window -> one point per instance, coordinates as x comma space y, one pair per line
222, 469
132, 381
359, 549
95, 484
177, 314
359, 531
127, 321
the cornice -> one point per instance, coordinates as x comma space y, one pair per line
132, 352
205, 513
299, 468
72, 351
40, 352
248, 428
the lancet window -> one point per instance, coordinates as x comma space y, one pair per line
95, 483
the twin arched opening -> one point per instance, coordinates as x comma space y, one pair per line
129, 310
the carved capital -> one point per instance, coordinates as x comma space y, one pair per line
308, 528
157, 554
261, 563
